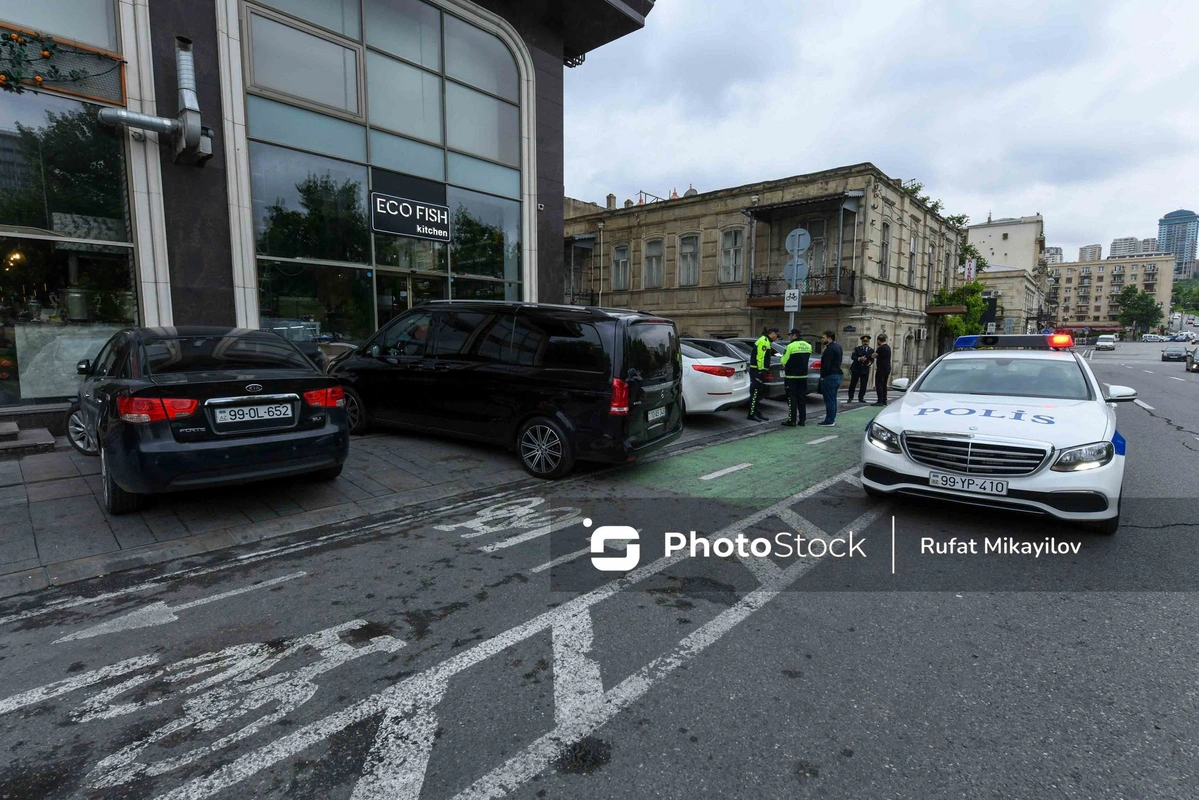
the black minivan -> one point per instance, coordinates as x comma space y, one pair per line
555, 383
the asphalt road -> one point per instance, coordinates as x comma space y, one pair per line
472, 651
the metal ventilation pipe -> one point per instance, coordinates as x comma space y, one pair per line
132, 119
189, 101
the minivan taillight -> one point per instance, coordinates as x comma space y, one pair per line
144, 410
326, 398
620, 397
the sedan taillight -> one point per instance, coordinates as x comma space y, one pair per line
326, 398
144, 410
711, 369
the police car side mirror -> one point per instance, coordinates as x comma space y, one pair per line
901, 384
1120, 394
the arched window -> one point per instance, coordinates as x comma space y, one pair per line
689, 259
620, 268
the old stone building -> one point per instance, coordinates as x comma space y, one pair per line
714, 261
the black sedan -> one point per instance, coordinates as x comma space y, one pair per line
1174, 352
168, 409
1192, 364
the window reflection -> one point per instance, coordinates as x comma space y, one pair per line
337, 300
485, 233
308, 207
59, 172
485, 290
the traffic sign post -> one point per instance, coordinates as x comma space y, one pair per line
796, 271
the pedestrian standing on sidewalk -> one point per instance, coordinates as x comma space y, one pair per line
859, 368
830, 377
882, 369
762, 355
795, 378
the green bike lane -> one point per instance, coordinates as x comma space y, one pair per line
781, 462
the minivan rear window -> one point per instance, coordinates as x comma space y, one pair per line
251, 350
650, 352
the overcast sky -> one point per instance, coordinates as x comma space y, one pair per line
1082, 110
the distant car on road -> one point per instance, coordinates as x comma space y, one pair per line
1151, 337
1174, 352
1105, 342
169, 409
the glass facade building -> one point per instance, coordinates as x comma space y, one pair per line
316, 109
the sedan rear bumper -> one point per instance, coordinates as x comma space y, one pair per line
146, 462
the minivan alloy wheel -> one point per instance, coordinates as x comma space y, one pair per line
541, 448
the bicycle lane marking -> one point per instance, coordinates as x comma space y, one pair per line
402, 745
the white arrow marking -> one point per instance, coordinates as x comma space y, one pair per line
161, 614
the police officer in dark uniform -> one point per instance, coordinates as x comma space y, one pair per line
859, 368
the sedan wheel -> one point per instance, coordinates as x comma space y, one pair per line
117, 500
544, 449
78, 434
356, 417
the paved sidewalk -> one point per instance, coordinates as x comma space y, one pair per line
53, 528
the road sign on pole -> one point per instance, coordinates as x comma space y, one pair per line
791, 302
990, 327
798, 242
795, 271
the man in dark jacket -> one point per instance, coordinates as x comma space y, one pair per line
830, 377
882, 369
795, 378
859, 368
758, 367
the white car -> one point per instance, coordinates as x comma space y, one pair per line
1013, 422
712, 382
1152, 337
1106, 342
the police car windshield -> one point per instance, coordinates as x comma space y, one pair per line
1006, 376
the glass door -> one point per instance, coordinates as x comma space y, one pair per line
396, 292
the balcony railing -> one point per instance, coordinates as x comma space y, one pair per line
814, 285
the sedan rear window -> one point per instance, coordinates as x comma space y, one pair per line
695, 351
245, 350
1012, 377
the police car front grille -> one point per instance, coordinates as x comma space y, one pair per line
974, 457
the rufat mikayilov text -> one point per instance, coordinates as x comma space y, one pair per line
784, 545
1000, 546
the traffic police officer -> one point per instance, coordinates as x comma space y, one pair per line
763, 353
795, 378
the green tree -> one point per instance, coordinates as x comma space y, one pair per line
1138, 310
970, 296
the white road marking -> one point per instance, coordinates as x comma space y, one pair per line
823, 439
560, 560
727, 470
1143, 405
566, 626
1184, 380
68, 685
536, 533
237, 562
1147, 371
161, 614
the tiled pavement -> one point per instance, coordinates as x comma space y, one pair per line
53, 528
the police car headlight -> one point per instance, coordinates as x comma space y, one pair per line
1088, 456
882, 438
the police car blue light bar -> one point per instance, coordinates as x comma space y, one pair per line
1051, 341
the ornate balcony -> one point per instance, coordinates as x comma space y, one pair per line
819, 290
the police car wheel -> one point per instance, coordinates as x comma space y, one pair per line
544, 449
356, 417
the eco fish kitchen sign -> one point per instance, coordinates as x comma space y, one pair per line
404, 217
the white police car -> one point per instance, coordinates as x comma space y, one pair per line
1015, 422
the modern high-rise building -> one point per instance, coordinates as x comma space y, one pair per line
1149, 245
1053, 255
1090, 252
1178, 233
1125, 246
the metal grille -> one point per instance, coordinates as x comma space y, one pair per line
102, 75
973, 457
